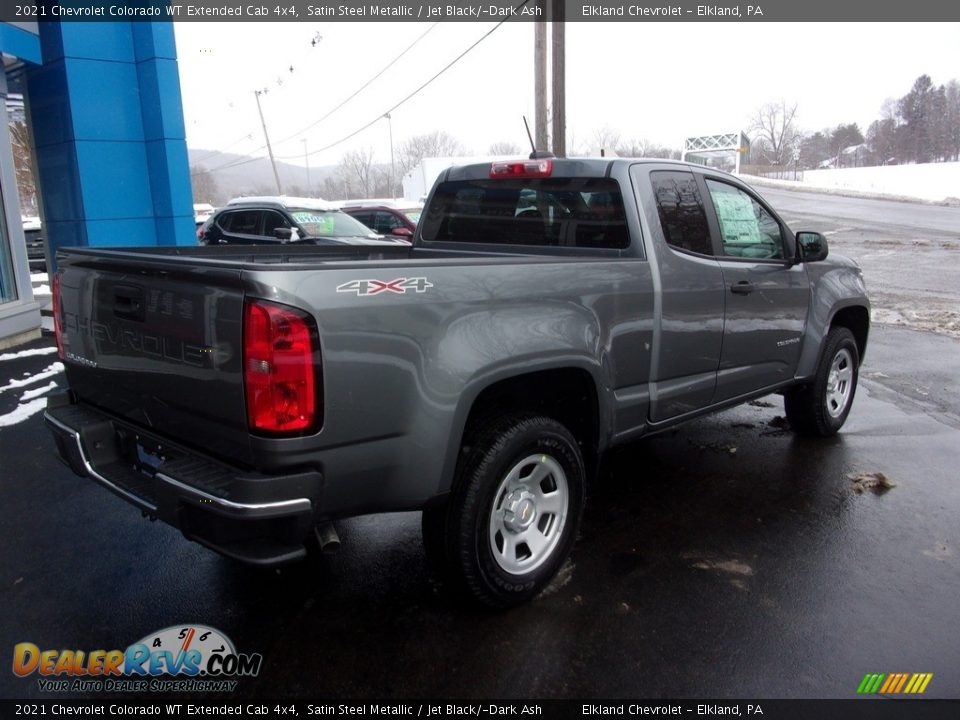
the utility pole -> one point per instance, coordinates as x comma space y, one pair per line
306, 159
559, 76
393, 169
540, 84
273, 163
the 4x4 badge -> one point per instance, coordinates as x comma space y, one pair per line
400, 286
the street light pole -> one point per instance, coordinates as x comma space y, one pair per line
392, 166
306, 159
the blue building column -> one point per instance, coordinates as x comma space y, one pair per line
108, 131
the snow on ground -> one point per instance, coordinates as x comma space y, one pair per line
28, 353
37, 392
23, 411
929, 182
48, 372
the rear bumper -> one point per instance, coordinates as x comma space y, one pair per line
259, 519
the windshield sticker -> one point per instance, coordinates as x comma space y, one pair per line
323, 223
737, 219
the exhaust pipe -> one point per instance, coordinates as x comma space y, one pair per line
327, 538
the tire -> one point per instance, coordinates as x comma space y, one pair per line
513, 512
820, 408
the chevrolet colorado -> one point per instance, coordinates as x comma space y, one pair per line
547, 310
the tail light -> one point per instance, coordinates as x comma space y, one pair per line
522, 169
57, 315
200, 233
279, 369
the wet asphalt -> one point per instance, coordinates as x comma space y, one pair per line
726, 559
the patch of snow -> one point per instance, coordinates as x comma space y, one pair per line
22, 412
48, 372
46, 323
41, 290
37, 392
39, 278
28, 353
928, 182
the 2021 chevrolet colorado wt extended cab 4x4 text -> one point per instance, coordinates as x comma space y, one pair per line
548, 310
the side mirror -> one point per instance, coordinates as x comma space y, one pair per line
402, 231
283, 234
811, 246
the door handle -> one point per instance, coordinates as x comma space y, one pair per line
742, 288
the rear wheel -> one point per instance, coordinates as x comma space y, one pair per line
513, 514
821, 407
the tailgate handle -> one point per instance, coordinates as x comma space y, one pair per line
128, 303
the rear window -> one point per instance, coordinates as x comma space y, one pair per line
555, 212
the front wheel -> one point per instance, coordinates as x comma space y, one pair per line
821, 407
514, 510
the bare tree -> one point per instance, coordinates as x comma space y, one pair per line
357, 170
774, 131
504, 148
433, 144
606, 138
204, 184
953, 119
23, 165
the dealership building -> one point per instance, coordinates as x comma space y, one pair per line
103, 114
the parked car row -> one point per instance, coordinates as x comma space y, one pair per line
280, 219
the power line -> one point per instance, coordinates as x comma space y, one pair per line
358, 91
291, 65
332, 111
248, 136
392, 108
417, 91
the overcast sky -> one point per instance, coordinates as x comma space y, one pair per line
660, 81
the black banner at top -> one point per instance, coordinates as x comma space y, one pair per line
24, 12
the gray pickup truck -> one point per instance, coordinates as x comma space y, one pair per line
548, 310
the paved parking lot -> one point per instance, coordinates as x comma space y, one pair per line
726, 559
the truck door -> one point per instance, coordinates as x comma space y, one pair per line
766, 295
688, 344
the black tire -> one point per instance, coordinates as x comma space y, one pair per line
466, 538
813, 409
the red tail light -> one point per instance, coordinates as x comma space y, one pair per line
279, 349
521, 169
57, 315
200, 234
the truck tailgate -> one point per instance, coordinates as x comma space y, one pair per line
159, 345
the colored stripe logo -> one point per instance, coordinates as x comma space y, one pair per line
894, 683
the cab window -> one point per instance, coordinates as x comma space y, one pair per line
747, 229
680, 208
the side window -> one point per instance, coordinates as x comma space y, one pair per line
366, 218
747, 229
273, 220
387, 222
242, 222
681, 212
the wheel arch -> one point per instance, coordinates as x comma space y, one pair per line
856, 318
569, 394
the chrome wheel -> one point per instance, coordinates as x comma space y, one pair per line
528, 514
839, 383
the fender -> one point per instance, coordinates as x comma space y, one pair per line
835, 284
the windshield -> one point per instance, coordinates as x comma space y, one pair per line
329, 223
